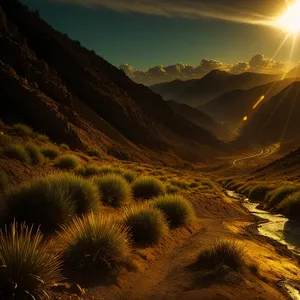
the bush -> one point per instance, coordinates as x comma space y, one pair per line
171, 189
94, 153
146, 225
130, 176
3, 182
23, 130
276, 196
259, 192
29, 266
113, 189
146, 187
96, 243
51, 201
17, 151
67, 162
51, 153
178, 210
290, 206
221, 258
42, 137
64, 147
35, 154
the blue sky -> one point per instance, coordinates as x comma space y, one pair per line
144, 40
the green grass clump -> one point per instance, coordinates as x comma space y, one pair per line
50, 153
147, 187
177, 210
3, 181
171, 189
290, 206
260, 191
23, 130
218, 260
94, 153
91, 170
51, 201
43, 137
35, 154
276, 196
64, 147
67, 162
113, 189
96, 243
180, 183
109, 170
29, 266
130, 176
80, 171
17, 151
147, 225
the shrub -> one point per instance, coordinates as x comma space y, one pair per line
51, 153
259, 192
130, 176
113, 189
35, 154
178, 210
67, 162
23, 130
94, 153
29, 266
221, 258
180, 183
42, 137
147, 225
171, 189
64, 147
51, 201
17, 151
146, 187
3, 182
290, 206
96, 243
276, 196
91, 170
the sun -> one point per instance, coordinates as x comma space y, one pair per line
290, 20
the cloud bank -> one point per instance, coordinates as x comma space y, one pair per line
258, 63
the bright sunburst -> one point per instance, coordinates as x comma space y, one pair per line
290, 20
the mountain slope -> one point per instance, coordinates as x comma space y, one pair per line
276, 120
199, 91
231, 107
74, 95
199, 118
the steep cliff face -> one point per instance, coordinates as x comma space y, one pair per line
75, 96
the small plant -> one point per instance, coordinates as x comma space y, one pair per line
96, 243
35, 154
221, 258
67, 162
3, 181
23, 130
64, 147
17, 151
94, 153
147, 225
147, 187
51, 153
254, 268
178, 210
290, 206
113, 189
130, 176
29, 266
42, 137
171, 189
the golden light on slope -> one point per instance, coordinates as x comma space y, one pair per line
245, 118
290, 20
258, 102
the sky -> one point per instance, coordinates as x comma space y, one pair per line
148, 33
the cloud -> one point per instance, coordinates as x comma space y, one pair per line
258, 63
261, 12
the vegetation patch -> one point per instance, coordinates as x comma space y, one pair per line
180, 183
23, 130
50, 153
113, 189
147, 225
259, 191
29, 264
276, 196
130, 176
96, 243
94, 153
171, 189
42, 137
67, 162
64, 147
177, 210
17, 151
35, 154
290, 206
147, 187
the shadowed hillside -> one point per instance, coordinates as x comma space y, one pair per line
77, 97
199, 91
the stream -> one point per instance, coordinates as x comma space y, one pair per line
278, 228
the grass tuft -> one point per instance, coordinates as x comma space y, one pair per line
35, 154
113, 189
130, 176
290, 206
94, 153
23, 130
96, 243
260, 191
147, 187
177, 210
276, 196
171, 189
17, 151
180, 184
147, 225
64, 147
43, 137
29, 266
67, 162
50, 153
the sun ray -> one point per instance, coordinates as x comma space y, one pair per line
281, 45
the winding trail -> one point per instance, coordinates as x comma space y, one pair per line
262, 152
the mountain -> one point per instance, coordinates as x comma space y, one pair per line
76, 97
199, 118
231, 107
277, 120
196, 92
